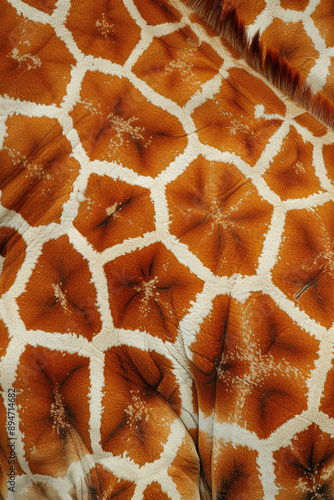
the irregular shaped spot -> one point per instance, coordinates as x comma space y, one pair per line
136, 419
117, 123
13, 251
54, 418
103, 29
323, 17
176, 65
305, 468
236, 474
305, 265
263, 362
308, 121
291, 172
157, 12
31, 59
328, 156
230, 121
46, 6
185, 469
113, 487
294, 4
60, 295
114, 211
37, 169
154, 490
219, 215
150, 290
292, 43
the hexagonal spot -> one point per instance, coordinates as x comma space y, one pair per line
103, 29
114, 211
54, 418
117, 123
60, 295
219, 214
150, 290
305, 265
305, 468
37, 169
13, 251
291, 173
31, 59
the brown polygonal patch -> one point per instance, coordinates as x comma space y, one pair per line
228, 122
155, 491
293, 44
31, 58
256, 363
305, 468
59, 296
114, 211
37, 169
305, 267
136, 417
328, 88
294, 4
219, 215
13, 250
327, 401
323, 17
4, 338
157, 12
117, 123
150, 290
235, 473
291, 173
176, 65
328, 156
54, 418
103, 29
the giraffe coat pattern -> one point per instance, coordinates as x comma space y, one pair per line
166, 242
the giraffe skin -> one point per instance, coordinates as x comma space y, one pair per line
167, 256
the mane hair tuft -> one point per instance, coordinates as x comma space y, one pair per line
225, 21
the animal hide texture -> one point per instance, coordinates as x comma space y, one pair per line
167, 254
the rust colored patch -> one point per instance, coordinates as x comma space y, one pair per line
323, 17
59, 296
157, 11
103, 29
312, 124
305, 469
291, 173
176, 65
13, 250
228, 121
155, 491
37, 169
54, 418
115, 122
256, 362
150, 290
299, 5
114, 211
293, 44
236, 473
4, 338
136, 418
305, 270
218, 213
31, 58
